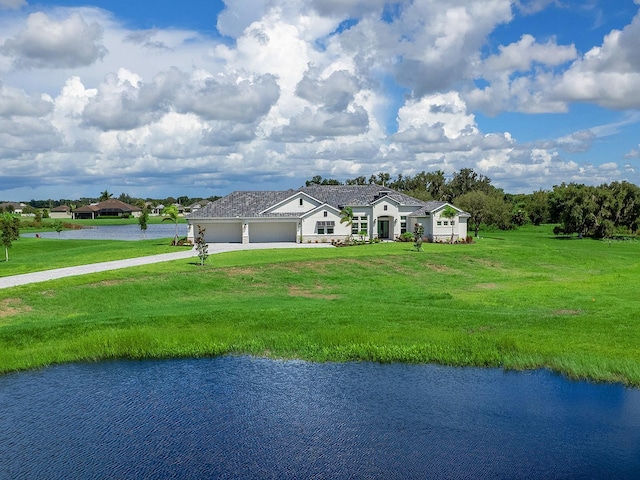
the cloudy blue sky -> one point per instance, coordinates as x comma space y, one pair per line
200, 98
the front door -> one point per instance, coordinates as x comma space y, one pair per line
383, 228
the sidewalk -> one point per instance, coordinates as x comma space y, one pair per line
43, 276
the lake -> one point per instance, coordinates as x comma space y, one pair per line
242, 417
118, 232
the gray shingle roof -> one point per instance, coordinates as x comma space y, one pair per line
242, 204
432, 206
251, 203
428, 208
356, 195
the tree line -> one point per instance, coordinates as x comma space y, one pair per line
597, 211
34, 205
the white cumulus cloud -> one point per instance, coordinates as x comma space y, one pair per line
57, 43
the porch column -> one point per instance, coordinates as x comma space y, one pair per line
245, 232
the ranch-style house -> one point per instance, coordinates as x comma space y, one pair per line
312, 214
109, 208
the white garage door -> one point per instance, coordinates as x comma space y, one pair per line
223, 232
272, 232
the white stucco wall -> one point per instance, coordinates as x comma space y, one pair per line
310, 226
462, 227
60, 215
393, 214
442, 232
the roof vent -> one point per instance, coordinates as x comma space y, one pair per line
381, 193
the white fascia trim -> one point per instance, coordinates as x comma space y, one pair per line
389, 199
324, 206
442, 207
295, 195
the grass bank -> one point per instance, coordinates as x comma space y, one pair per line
28, 255
517, 300
29, 225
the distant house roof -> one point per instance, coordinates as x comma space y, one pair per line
87, 208
253, 203
112, 204
61, 208
16, 206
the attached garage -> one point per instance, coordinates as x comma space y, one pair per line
222, 232
269, 232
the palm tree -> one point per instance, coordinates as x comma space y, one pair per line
346, 216
172, 212
450, 213
105, 195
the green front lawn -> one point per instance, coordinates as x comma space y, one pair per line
513, 299
28, 255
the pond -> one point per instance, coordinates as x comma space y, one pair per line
242, 417
118, 232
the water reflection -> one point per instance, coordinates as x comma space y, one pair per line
239, 417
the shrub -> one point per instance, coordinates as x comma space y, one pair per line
604, 230
405, 237
37, 220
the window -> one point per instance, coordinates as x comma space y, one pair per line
354, 225
439, 223
446, 222
364, 226
325, 227
403, 224
301, 202
326, 214
453, 223
385, 208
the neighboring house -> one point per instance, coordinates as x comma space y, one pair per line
12, 207
63, 211
313, 214
157, 210
194, 207
109, 208
181, 209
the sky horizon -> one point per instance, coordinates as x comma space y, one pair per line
204, 97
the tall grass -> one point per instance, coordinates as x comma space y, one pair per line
516, 300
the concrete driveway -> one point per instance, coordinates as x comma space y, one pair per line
214, 248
